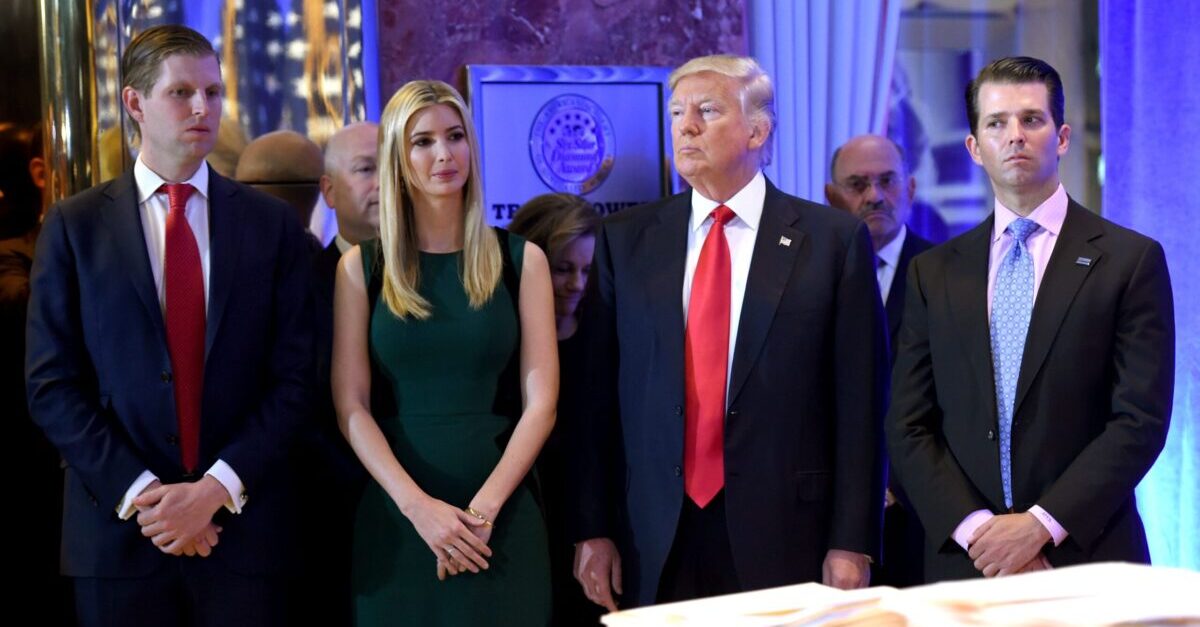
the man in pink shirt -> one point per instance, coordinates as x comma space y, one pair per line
1033, 383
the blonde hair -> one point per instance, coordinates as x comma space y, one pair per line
757, 94
481, 264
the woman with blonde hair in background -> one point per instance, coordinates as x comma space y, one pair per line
445, 379
565, 226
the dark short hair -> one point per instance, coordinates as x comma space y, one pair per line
1017, 70
142, 61
553, 220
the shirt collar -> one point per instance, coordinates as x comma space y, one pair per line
148, 181
1049, 215
747, 204
343, 244
890, 253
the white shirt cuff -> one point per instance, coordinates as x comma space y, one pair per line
125, 509
965, 529
1056, 530
223, 473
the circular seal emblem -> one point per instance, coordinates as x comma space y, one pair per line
571, 144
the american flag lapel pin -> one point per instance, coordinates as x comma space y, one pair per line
785, 241
1083, 261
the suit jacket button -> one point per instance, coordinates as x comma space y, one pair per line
165, 376
678, 471
991, 434
679, 410
172, 440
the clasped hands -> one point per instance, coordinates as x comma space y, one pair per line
1008, 544
459, 540
177, 517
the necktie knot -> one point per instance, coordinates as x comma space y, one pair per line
722, 215
1022, 228
177, 194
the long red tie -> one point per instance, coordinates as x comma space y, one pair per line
706, 354
185, 320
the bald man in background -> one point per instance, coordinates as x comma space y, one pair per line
350, 186
288, 166
872, 182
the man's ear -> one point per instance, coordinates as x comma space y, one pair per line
973, 149
132, 99
1064, 139
832, 196
760, 130
37, 172
326, 187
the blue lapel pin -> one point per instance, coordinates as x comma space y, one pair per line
1083, 261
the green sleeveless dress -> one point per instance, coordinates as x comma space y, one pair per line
443, 374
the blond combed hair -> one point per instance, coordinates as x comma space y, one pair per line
757, 93
481, 264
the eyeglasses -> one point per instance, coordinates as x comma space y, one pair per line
888, 181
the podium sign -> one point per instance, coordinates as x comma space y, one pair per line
602, 132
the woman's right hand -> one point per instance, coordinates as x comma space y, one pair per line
447, 531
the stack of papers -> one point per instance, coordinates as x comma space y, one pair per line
1093, 594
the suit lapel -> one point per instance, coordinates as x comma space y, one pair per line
771, 265
225, 246
895, 301
667, 235
966, 289
1057, 291
123, 219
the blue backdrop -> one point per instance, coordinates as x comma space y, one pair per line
1150, 125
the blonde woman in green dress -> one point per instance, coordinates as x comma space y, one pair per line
445, 378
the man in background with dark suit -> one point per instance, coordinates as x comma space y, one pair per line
872, 182
350, 187
737, 358
168, 360
40, 590
1033, 387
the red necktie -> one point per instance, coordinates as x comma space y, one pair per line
706, 354
185, 320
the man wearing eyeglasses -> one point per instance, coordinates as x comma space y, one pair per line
871, 182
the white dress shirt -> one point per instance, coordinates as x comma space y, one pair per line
887, 259
740, 232
1049, 216
152, 209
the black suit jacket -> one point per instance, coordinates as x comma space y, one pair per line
99, 375
894, 307
332, 467
803, 449
1093, 396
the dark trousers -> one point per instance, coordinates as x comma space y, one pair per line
903, 563
189, 592
700, 563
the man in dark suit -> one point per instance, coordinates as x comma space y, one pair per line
1036, 362
871, 181
168, 360
751, 433
350, 187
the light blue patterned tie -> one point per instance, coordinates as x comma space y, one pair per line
1012, 304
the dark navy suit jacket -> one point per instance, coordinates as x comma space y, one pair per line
803, 431
99, 375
